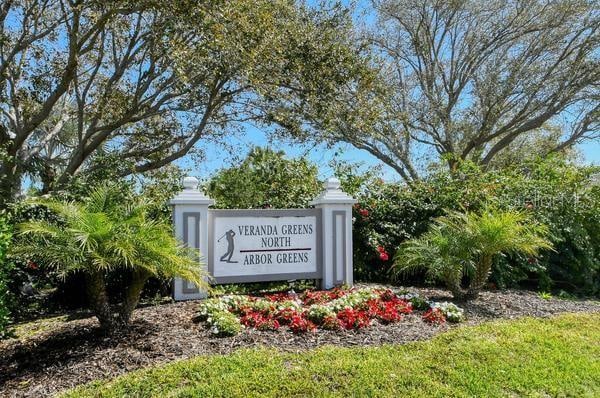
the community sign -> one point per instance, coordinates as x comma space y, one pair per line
264, 245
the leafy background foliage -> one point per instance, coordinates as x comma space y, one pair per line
264, 179
557, 193
5, 269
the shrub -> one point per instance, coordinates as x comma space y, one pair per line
5, 269
317, 313
451, 311
417, 302
299, 324
562, 195
353, 319
101, 235
268, 179
32, 292
212, 306
465, 245
435, 316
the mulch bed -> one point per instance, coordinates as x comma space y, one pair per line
74, 352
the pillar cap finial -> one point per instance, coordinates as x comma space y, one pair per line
191, 195
190, 183
332, 183
333, 194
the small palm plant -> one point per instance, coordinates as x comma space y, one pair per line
466, 244
103, 235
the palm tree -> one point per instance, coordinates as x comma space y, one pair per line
105, 234
466, 244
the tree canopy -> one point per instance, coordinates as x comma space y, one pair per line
136, 84
471, 79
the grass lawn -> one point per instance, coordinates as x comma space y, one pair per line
527, 357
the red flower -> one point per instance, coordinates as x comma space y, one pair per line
259, 321
276, 297
387, 295
32, 265
286, 315
268, 324
383, 255
387, 311
353, 319
434, 315
403, 307
321, 297
331, 323
300, 324
364, 212
315, 297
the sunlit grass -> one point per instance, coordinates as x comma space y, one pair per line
526, 357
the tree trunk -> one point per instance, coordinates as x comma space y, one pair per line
453, 283
484, 267
132, 295
96, 290
457, 292
10, 181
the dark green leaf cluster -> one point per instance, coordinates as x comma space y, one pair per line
5, 268
265, 179
560, 194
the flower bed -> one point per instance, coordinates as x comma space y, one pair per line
336, 309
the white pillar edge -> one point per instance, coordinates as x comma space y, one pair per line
190, 209
335, 204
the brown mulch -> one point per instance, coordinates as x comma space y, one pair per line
74, 352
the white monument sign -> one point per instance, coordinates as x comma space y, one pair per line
266, 245
261, 245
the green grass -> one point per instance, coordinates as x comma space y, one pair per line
528, 357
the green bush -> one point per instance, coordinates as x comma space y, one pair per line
464, 246
265, 179
105, 234
5, 268
560, 194
224, 324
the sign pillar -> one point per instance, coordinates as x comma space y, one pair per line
336, 208
190, 217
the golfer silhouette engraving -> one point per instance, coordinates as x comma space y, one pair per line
230, 246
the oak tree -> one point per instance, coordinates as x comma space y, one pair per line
87, 83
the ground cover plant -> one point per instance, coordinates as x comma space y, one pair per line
336, 309
526, 357
50, 355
